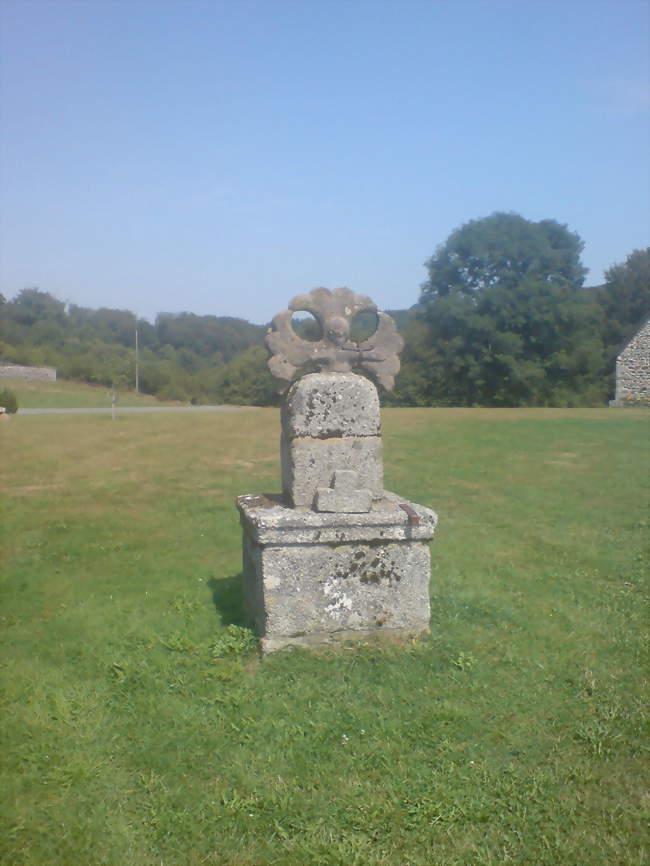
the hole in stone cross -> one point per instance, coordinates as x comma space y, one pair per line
306, 326
363, 325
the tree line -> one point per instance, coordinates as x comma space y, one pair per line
503, 319
180, 356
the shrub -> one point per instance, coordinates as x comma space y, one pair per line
234, 641
9, 400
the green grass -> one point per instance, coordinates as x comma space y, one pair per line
140, 727
65, 394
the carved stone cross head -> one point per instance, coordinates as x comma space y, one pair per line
335, 351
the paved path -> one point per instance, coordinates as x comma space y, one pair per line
123, 410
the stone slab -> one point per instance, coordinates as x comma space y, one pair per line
268, 521
324, 405
308, 464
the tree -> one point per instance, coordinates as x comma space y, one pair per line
32, 305
503, 249
508, 321
207, 335
625, 302
625, 297
34, 318
413, 385
246, 380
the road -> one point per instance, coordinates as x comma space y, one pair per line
124, 410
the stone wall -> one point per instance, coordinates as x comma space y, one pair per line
33, 374
633, 369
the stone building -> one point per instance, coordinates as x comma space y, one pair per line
633, 369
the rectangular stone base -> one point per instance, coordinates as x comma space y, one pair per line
313, 578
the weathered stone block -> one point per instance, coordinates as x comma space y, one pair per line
330, 422
308, 464
314, 578
324, 405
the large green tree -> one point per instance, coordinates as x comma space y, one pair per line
503, 250
625, 296
625, 301
508, 321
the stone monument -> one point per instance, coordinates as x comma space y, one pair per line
335, 556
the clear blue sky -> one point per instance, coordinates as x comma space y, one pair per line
220, 156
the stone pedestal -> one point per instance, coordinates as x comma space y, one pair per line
315, 578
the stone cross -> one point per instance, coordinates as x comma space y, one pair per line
336, 556
331, 442
335, 351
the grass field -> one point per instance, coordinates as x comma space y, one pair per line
65, 394
140, 727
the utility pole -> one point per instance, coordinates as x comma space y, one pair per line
137, 368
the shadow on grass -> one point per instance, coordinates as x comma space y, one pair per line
228, 599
